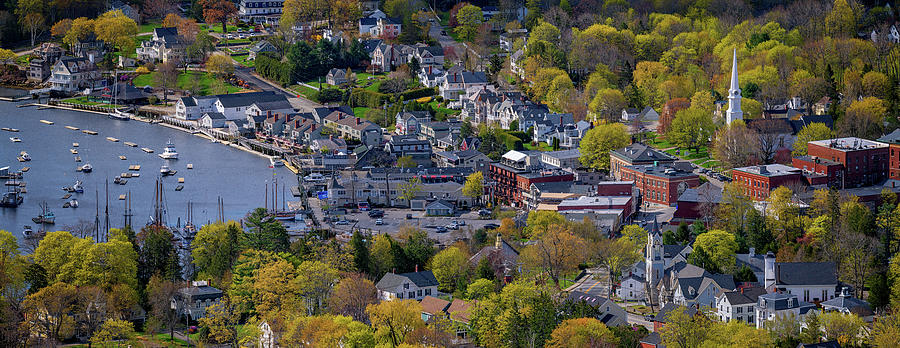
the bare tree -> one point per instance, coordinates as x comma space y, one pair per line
735, 144
770, 137
167, 78
81, 229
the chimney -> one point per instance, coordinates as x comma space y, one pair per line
91, 58
417, 267
313, 126
752, 251
499, 242
357, 121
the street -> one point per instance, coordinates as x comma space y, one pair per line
300, 103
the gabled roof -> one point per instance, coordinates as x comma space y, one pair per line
460, 310
664, 312
592, 300
743, 296
640, 153
892, 138
438, 204
215, 115
850, 304
805, 273
368, 21
246, 99
421, 279
433, 305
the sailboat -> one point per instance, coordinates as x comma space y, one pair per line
11, 199
46, 216
283, 214
117, 114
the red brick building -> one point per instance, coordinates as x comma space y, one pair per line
759, 181
819, 171
515, 173
893, 141
659, 184
615, 188
634, 155
865, 162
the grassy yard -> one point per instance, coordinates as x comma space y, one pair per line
243, 60
303, 90
85, 101
149, 26
217, 28
542, 146
237, 42
205, 81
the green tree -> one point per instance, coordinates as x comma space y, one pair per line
314, 281
156, 254
266, 233
113, 330
406, 162
409, 189
607, 104
474, 186
216, 247
394, 320
812, 132
582, 332
599, 141
683, 330
469, 18
721, 247
480, 288
451, 269
691, 128
360, 249
863, 119
841, 21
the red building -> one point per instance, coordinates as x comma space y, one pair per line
893, 140
697, 204
615, 188
759, 181
659, 184
865, 162
515, 173
588, 203
819, 171
635, 155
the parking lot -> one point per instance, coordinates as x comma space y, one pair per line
394, 219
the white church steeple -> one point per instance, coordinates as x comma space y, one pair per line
734, 95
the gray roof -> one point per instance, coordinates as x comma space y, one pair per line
421, 279
663, 314
200, 292
438, 204
702, 194
592, 300
188, 101
829, 344
640, 153
892, 138
275, 104
215, 115
246, 99
744, 296
805, 273
368, 21
850, 304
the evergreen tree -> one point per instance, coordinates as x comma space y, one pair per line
360, 249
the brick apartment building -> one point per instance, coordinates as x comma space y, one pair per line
819, 171
865, 162
635, 155
659, 184
893, 141
515, 173
615, 188
759, 181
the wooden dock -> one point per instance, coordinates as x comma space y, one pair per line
123, 157
122, 197
130, 144
89, 132
147, 150
112, 139
180, 180
49, 123
72, 128
134, 167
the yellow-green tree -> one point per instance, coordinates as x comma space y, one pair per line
113, 330
275, 292
812, 132
691, 128
394, 320
314, 281
556, 253
215, 248
841, 21
738, 334
49, 311
599, 141
81, 29
221, 320
474, 186
582, 332
409, 190
451, 268
607, 104
59, 29
885, 331
469, 18
683, 330
115, 28
863, 119
220, 65
721, 247
847, 329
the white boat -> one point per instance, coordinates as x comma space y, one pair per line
119, 115
166, 171
275, 162
77, 187
73, 203
15, 139
24, 156
169, 152
87, 168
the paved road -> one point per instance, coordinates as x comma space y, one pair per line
258, 83
639, 320
594, 284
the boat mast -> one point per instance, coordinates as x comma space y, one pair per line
97, 217
106, 230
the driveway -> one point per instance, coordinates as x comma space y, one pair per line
258, 83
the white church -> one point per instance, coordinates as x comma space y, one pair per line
734, 94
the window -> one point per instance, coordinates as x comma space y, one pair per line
419, 292
400, 295
412, 294
427, 292
406, 285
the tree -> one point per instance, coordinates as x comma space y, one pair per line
113, 330
360, 249
31, 17
351, 296
668, 113
474, 186
61, 28
81, 29
215, 248
219, 64
221, 322
616, 255
479, 289
847, 329
812, 132
841, 21
538, 221
691, 128
409, 189
266, 233
314, 283
159, 294
683, 330
218, 11
557, 252
737, 334
451, 269
863, 119
115, 28
469, 18
599, 141
167, 78
49, 310
721, 247
606, 104
734, 145
394, 320
885, 331
406, 162
275, 291
156, 254
171, 21
582, 332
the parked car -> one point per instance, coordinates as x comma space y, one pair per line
453, 226
379, 222
491, 226
409, 216
484, 212
376, 213
460, 222
342, 222
441, 229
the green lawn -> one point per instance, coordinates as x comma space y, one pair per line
305, 91
542, 146
242, 59
237, 42
361, 111
217, 28
149, 26
206, 82
84, 101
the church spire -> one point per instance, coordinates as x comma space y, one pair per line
734, 94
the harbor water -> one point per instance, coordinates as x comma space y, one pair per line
238, 177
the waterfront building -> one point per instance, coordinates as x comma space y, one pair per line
71, 74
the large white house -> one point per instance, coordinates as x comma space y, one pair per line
71, 74
738, 305
810, 281
780, 305
407, 286
232, 106
165, 46
260, 11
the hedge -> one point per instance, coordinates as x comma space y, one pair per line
367, 98
418, 93
328, 95
274, 69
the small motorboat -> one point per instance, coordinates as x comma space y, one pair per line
119, 115
166, 171
73, 203
15, 139
120, 181
75, 144
27, 231
179, 187
77, 187
169, 152
275, 162
73, 151
24, 156
87, 168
